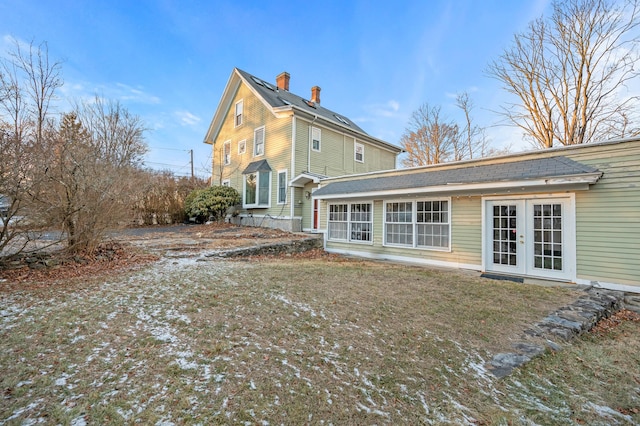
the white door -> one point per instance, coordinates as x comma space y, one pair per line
531, 237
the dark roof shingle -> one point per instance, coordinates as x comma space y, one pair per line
484, 173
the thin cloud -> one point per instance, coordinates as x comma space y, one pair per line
186, 118
387, 109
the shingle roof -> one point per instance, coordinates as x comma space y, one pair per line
279, 98
257, 166
555, 167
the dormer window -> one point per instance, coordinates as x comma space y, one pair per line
239, 113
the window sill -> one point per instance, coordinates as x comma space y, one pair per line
440, 249
256, 206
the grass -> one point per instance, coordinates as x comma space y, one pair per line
300, 341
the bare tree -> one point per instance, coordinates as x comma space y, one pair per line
472, 135
93, 172
42, 78
430, 138
28, 82
570, 73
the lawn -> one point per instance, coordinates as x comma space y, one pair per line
300, 341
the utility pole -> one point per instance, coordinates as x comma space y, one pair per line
191, 152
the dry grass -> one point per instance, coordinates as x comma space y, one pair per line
282, 342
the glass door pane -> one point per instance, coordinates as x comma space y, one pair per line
505, 243
547, 236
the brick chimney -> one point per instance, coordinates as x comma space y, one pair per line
315, 94
282, 81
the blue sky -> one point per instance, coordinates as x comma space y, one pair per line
376, 62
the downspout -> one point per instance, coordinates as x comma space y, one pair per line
293, 167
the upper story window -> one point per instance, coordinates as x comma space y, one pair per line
226, 153
239, 116
359, 152
316, 135
242, 147
258, 141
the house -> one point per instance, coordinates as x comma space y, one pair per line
570, 214
274, 147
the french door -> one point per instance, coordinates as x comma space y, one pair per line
533, 237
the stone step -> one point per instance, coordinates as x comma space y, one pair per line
632, 302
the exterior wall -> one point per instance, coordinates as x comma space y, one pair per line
466, 237
277, 149
336, 156
608, 215
607, 220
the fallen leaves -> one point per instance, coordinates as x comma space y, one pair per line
107, 258
607, 325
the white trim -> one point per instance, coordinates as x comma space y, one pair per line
244, 191
293, 165
308, 177
286, 186
414, 222
242, 143
404, 259
575, 183
608, 285
357, 144
569, 236
349, 221
235, 114
264, 141
226, 157
319, 139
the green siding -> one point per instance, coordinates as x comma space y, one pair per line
607, 218
608, 215
277, 147
336, 156
466, 236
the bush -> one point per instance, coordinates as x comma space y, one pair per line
212, 202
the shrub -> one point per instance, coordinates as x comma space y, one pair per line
211, 202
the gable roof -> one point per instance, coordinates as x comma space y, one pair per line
534, 172
280, 102
277, 98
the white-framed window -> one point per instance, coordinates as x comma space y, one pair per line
432, 223
282, 186
316, 135
352, 222
226, 153
242, 146
338, 221
226, 182
258, 141
399, 223
257, 189
420, 223
239, 113
359, 152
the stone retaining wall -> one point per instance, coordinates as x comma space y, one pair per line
294, 246
560, 327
